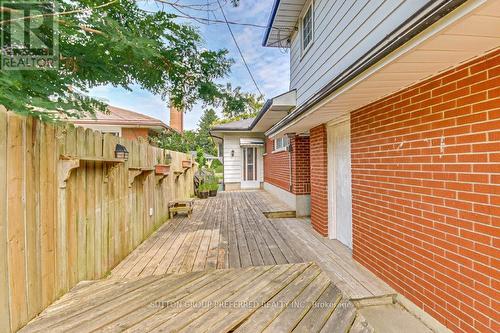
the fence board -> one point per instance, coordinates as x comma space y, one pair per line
31, 191
98, 146
81, 208
72, 204
15, 225
90, 203
48, 202
61, 226
4, 277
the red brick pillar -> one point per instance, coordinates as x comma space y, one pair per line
319, 179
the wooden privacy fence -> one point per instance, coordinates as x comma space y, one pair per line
70, 211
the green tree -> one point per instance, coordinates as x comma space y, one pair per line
203, 138
174, 141
116, 43
200, 157
237, 104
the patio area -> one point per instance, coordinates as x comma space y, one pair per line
231, 231
229, 269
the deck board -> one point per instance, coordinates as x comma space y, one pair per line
255, 299
228, 268
231, 231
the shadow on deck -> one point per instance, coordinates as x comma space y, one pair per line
231, 231
227, 268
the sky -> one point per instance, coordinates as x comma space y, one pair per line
269, 66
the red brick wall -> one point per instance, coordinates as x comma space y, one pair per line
277, 166
319, 180
176, 119
426, 193
301, 179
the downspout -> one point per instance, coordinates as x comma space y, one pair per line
290, 186
223, 165
290, 136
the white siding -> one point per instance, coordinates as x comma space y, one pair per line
344, 31
233, 165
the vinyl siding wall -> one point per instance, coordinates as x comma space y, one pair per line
233, 165
343, 31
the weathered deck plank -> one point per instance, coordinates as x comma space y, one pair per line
230, 231
274, 298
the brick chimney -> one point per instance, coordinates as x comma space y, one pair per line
176, 118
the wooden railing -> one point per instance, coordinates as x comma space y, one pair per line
71, 211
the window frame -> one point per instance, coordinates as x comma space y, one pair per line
285, 142
309, 7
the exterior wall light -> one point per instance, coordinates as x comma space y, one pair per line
232, 153
121, 152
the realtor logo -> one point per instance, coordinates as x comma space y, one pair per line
29, 35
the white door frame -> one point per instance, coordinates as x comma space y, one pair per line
250, 184
332, 223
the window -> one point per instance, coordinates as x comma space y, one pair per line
307, 28
280, 143
221, 150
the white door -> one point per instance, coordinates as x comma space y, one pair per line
249, 173
339, 183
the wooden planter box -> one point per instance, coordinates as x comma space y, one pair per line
187, 164
162, 169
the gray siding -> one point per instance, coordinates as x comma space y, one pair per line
343, 31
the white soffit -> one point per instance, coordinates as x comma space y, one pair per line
279, 108
470, 31
285, 22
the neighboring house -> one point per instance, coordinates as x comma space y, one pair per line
397, 105
123, 123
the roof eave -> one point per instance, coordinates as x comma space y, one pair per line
270, 22
403, 33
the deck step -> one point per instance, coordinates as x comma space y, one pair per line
283, 214
374, 301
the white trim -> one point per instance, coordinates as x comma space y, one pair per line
434, 29
332, 181
279, 150
309, 5
332, 230
286, 142
339, 120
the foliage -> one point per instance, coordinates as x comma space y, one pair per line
203, 187
200, 158
203, 139
117, 44
175, 141
216, 164
238, 105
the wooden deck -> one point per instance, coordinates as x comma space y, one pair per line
279, 298
231, 231
228, 231
228, 268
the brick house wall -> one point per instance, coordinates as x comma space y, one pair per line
426, 193
301, 176
277, 166
319, 179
